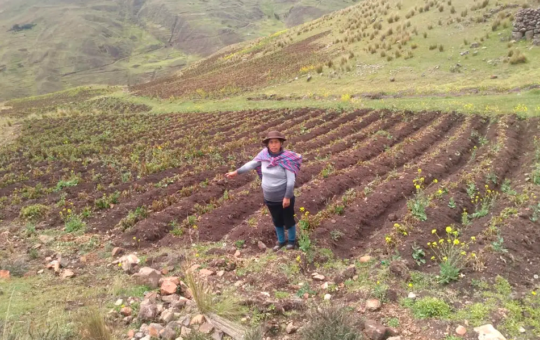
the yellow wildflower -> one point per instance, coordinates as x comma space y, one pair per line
410, 284
435, 181
433, 258
419, 171
396, 225
417, 186
302, 209
441, 241
405, 233
449, 229
429, 243
473, 238
473, 255
445, 258
463, 253
456, 242
533, 293
434, 231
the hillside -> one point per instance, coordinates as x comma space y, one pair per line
75, 42
396, 47
417, 201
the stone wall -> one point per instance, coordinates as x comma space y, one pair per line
527, 25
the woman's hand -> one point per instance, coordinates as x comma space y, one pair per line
286, 202
231, 174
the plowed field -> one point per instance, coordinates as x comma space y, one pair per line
370, 181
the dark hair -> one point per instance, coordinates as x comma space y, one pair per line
268, 141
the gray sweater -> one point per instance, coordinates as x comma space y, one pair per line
277, 183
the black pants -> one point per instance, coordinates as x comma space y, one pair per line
282, 217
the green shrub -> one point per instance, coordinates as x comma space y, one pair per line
429, 307
449, 272
74, 223
34, 212
331, 323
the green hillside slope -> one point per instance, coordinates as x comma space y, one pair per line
405, 47
69, 43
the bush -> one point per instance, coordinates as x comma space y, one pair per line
93, 327
34, 212
518, 58
74, 223
429, 307
331, 323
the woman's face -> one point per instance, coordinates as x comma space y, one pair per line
274, 145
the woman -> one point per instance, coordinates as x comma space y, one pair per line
278, 169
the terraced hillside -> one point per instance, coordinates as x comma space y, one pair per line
373, 48
55, 45
370, 180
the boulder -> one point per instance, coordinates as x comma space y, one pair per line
168, 288
374, 330
148, 276
197, 320
4, 274
206, 328
365, 259
126, 311
154, 329
67, 273
117, 251
167, 316
345, 275
488, 332
291, 328
460, 330
147, 312
373, 305
167, 333
128, 262
400, 270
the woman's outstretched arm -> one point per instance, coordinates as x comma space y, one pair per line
245, 168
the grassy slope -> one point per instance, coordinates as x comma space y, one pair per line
362, 65
97, 41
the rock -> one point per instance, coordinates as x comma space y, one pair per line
217, 335
64, 262
206, 328
394, 338
154, 329
464, 53
129, 262
412, 296
488, 332
148, 276
237, 253
168, 288
119, 302
529, 35
206, 272
291, 328
261, 245
392, 217
373, 305
131, 333
326, 296
317, 277
45, 239
475, 45
185, 320
522, 330
493, 76
126, 311
460, 330
198, 320
309, 77
139, 335
147, 312
143, 329
365, 259
167, 316
399, 269
374, 330
185, 331
167, 333
67, 273
170, 298
117, 251
392, 79
220, 273
4, 274
128, 319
